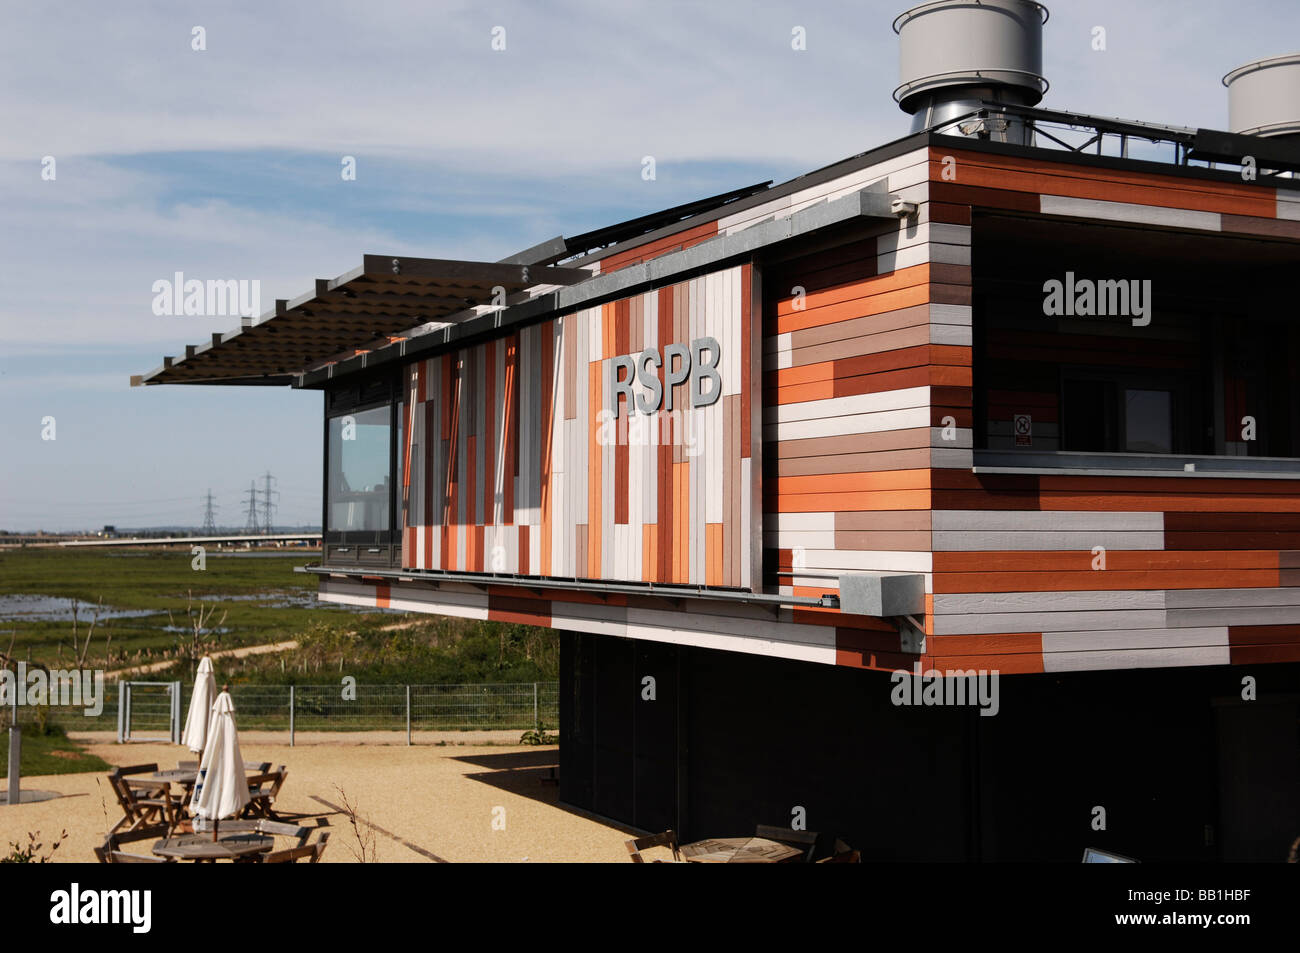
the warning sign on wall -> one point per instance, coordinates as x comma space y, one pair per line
1024, 428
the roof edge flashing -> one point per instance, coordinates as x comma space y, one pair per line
871, 202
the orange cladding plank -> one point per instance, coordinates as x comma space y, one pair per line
1111, 185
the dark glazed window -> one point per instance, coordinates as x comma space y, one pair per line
1148, 421
1088, 412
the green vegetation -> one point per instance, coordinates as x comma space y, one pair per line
48, 751
33, 851
154, 581
423, 650
250, 597
538, 736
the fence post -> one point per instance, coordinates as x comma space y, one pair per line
408, 715
536, 723
176, 713
290, 716
15, 760
121, 714
126, 731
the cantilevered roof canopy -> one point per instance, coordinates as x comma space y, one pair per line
384, 297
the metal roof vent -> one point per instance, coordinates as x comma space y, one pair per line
1264, 97
958, 55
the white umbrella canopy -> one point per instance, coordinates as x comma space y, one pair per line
196, 721
222, 786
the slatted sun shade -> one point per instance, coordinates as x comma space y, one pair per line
384, 297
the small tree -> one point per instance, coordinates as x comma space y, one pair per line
81, 650
362, 829
201, 634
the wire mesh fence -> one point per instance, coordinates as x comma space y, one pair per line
142, 711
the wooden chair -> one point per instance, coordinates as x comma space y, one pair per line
143, 801
293, 854
110, 851
262, 790
805, 840
666, 839
842, 854
187, 766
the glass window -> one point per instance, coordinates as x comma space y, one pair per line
359, 481
1148, 421
1086, 416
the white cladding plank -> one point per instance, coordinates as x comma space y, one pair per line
942, 458
1134, 658
1227, 598
950, 335
962, 438
1288, 205
978, 603
789, 540
608, 480
1236, 615
868, 560
1046, 521
1129, 212
800, 522
856, 423
903, 399
1049, 621
499, 475
746, 488
967, 541
959, 314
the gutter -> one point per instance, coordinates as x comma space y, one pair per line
648, 589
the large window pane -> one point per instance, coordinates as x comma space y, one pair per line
1148, 421
1086, 416
359, 479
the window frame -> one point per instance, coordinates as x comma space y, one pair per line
353, 399
1178, 387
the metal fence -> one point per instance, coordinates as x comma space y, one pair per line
155, 711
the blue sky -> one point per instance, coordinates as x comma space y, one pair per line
224, 163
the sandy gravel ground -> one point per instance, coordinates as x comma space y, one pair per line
456, 803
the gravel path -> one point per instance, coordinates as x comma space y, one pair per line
242, 652
425, 801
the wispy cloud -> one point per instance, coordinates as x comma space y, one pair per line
225, 163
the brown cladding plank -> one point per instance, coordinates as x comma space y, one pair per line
880, 441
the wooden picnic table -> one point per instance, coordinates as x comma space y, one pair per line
201, 847
175, 776
739, 850
190, 775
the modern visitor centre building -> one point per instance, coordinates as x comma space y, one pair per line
1012, 399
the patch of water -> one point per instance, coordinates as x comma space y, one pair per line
276, 599
37, 608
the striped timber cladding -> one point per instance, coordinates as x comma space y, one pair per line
866, 352
824, 636
1198, 571
866, 448
513, 464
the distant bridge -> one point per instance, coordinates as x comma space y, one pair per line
178, 540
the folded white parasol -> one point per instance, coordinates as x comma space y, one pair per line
222, 786
196, 721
